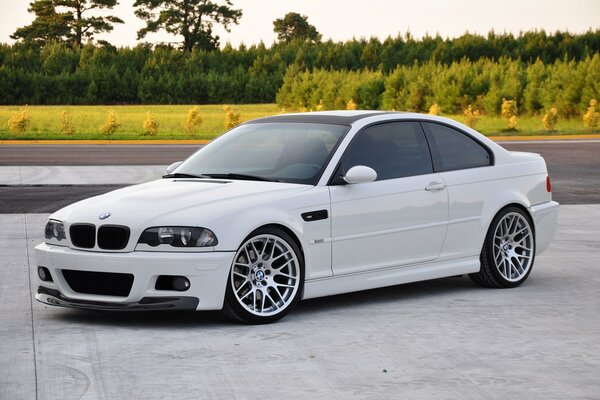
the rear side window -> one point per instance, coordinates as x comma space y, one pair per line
393, 150
452, 149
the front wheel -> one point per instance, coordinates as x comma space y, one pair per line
266, 278
508, 251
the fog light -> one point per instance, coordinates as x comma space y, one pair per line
180, 283
44, 274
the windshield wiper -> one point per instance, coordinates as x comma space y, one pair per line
242, 176
183, 175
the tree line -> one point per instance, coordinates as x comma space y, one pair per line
400, 72
484, 85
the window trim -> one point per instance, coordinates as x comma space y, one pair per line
335, 180
435, 151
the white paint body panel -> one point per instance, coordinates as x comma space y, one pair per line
396, 221
378, 234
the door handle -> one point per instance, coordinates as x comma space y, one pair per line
435, 186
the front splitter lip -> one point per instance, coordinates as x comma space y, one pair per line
55, 298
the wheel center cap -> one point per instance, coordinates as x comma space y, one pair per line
259, 275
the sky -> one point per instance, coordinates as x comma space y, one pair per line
342, 20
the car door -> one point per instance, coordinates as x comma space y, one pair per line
401, 217
465, 165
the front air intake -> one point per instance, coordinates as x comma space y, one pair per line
100, 283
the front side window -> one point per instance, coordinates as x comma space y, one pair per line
284, 152
452, 149
393, 150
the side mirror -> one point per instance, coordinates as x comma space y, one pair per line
360, 174
173, 167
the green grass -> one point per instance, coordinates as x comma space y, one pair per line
526, 126
46, 120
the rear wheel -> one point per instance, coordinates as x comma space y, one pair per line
266, 278
508, 252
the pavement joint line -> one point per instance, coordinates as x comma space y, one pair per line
498, 138
31, 300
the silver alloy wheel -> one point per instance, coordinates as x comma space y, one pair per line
513, 246
265, 275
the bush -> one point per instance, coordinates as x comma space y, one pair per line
111, 125
550, 119
66, 123
150, 125
351, 105
435, 109
232, 118
591, 116
192, 120
473, 115
509, 112
20, 121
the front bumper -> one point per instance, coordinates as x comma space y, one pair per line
206, 271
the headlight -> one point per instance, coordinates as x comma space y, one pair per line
54, 230
178, 236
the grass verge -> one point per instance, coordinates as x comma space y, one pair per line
45, 122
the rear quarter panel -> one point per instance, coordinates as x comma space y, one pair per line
476, 195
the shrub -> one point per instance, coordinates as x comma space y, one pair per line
150, 125
550, 119
232, 118
66, 123
320, 106
472, 115
20, 121
111, 125
435, 109
591, 116
351, 105
192, 120
509, 112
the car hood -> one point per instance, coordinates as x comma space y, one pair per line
175, 201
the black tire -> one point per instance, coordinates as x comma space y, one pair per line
489, 274
234, 307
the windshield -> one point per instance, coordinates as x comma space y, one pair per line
283, 152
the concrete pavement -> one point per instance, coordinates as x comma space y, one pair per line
446, 339
80, 175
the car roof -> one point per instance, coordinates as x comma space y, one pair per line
323, 117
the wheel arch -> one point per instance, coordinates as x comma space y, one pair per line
518, 205
285, 229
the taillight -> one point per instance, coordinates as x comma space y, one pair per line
548, 185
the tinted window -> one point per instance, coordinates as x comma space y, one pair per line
393, 150
452, 149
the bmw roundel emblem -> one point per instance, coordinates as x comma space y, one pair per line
104, 216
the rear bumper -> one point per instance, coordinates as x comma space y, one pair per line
54, 298
545, 218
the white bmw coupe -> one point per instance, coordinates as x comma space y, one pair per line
299, 206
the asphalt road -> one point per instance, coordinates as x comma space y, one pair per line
43, 199
574, 168
95, 154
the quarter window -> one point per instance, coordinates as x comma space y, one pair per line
452, 149
393, 150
